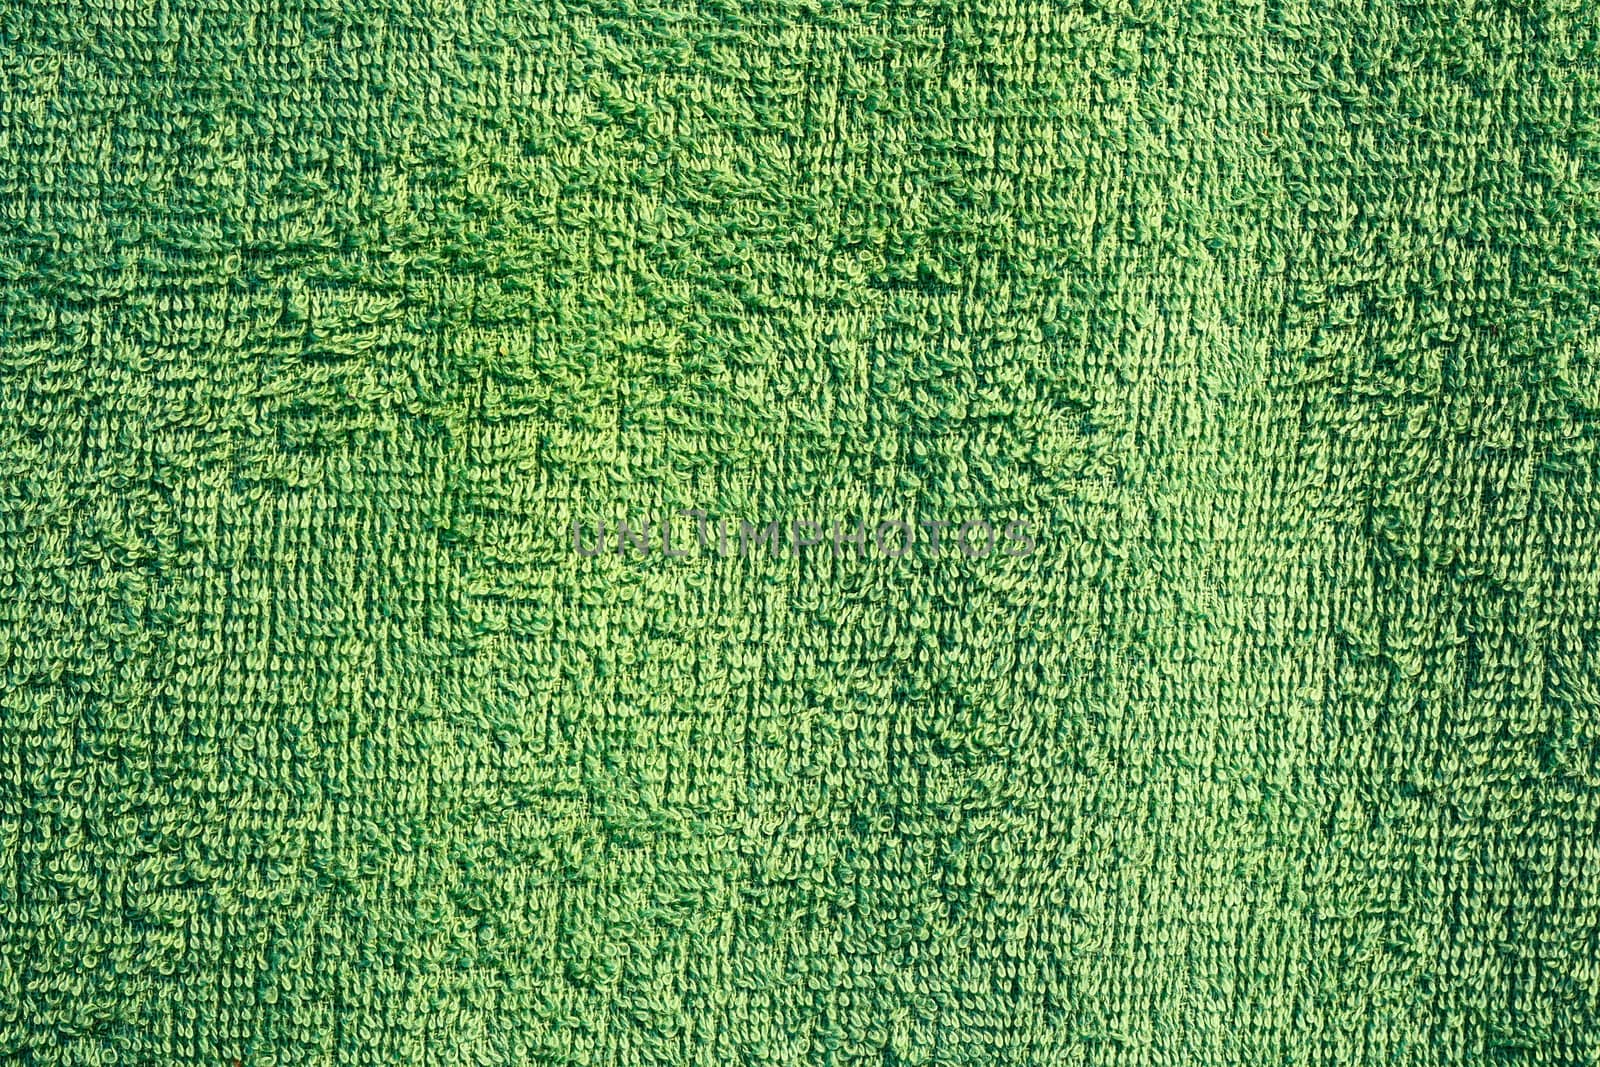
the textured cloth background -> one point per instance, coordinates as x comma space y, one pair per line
321, 321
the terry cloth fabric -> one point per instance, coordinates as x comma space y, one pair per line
1243, 355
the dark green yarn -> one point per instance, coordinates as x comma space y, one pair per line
321, 321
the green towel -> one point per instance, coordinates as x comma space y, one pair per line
1112, 567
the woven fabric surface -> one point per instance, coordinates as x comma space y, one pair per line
1253, 344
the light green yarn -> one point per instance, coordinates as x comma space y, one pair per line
321, 321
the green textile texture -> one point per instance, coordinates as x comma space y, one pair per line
1253, 344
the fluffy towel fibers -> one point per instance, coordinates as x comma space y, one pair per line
1242, 356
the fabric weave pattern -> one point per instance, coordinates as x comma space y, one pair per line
323, 321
